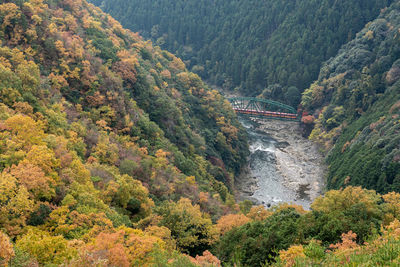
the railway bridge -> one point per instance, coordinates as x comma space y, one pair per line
265, 108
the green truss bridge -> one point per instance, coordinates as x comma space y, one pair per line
264, 108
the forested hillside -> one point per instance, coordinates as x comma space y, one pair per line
356, 100
100, 130
113, 154
249, 44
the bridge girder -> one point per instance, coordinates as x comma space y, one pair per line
258, 104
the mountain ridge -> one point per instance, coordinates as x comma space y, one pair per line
249, 45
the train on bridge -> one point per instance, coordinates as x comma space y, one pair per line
265, 108
271, 114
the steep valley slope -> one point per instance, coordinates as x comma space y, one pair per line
356, 102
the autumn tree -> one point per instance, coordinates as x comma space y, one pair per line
391, 207
230, 221
258, 213
34, 180
340, 211
6, 251
125, 247
340, 200
45, 248
192, 229
15, 205
105, 151
26, 132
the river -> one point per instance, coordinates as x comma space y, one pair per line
283, 166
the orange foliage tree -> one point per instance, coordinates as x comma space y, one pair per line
6, 249
126, 247
230, 221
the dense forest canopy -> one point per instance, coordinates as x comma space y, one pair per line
249, 44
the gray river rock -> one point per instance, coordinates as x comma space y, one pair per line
283, 166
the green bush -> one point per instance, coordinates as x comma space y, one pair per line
258, 242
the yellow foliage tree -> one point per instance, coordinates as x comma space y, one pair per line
391, 206
74, 224
290, 255
25, 130
339, 200
44, 158
15, 205
45, 248
10, 11
105, 151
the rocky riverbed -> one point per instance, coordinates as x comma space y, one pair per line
283, 165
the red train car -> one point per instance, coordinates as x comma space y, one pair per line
267, 113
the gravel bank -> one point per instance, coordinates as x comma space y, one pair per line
297, 167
